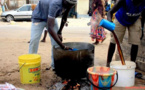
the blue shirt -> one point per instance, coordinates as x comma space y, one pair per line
45, 9
127, 15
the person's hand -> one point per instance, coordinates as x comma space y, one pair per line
105, 17
109, 19
67, 48
142, 35
66, 24
60, 37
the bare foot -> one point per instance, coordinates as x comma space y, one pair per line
96, 43
105, 33
42, 40
103, 40
108, 65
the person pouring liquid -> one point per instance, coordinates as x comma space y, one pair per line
128, 16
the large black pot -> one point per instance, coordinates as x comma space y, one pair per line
73, 64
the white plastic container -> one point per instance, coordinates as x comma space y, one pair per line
126, 73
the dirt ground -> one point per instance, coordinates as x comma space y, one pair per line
13, 43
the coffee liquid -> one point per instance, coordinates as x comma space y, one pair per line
119, 49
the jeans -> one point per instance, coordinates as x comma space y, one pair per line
36, 32
3, 8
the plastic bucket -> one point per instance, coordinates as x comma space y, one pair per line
107, 24
126, 73
101, 78
29, 68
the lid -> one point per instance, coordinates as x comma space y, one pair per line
118, 65
102, 71
29, 58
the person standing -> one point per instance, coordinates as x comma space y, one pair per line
127, 17
3, 5
107, 7
97, 32
44, 15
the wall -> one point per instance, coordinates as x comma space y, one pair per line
82, 7
13, 4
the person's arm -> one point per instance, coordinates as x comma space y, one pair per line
143, 18
63, 21
51, 22
116, 7
142, 22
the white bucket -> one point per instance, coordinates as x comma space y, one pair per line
126, 73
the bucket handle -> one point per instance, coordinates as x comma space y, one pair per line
103, 88
22, 65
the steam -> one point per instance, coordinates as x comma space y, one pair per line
95, 20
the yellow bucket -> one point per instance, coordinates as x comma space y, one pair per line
29, 65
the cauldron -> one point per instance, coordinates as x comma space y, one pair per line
73, 64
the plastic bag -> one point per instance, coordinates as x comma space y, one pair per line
8, 86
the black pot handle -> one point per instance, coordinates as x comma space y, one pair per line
103, 88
